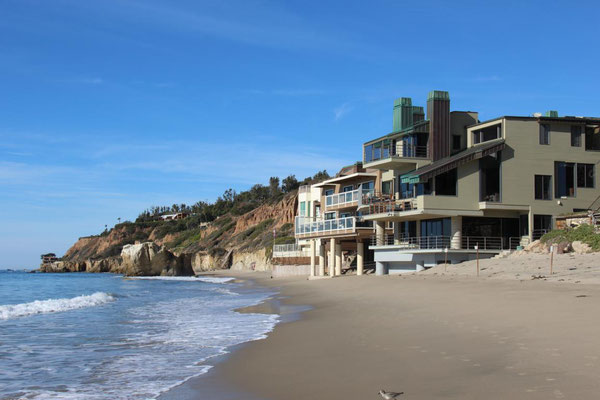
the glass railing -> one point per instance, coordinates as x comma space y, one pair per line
341, 199
311, 227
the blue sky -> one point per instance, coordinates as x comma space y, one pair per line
109, 107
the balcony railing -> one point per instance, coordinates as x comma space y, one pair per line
311, 227
443, 242
342, 199
387, 148
383, 205
289, 250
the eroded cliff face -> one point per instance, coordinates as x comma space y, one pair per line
238, 242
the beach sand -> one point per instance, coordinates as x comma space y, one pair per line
431, 335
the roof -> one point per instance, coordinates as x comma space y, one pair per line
404, 131
567, 118
446, 164
333, 181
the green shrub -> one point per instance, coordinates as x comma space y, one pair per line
584, 233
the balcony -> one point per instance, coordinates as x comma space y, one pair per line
385, 204
342, 200
309, 227
289, 251
387, 153
482, 243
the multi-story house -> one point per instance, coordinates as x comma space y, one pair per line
329, 222
458, 188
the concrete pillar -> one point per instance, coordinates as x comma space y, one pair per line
397, 232
420, 265
380, 268
360, 258
313, 245
331, 261
418, 228
338, 259
380, 233
455, 232
321, 258
530, 225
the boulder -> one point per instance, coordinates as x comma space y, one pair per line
563, 247
580, 247
537, 247
148, 259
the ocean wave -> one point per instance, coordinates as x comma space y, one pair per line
207, 279
10, 311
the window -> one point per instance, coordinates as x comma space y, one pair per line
445, 184
347, 188
328, 192
330, 215
564, 179
542, 187
585, 175
455, 142
308, 209
302, 209
386, 187
544, 134
576, 136
368, 153
592, 138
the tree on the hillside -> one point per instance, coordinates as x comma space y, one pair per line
290, 183
274, 189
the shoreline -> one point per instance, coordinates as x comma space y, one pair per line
431, 336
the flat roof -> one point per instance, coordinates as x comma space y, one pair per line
333, 181
566, 118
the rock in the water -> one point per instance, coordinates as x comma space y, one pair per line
148, 259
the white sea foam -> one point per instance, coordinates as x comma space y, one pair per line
10, 311
208, 279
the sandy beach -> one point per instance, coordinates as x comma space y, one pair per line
430, 336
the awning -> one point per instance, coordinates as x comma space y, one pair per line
446, 164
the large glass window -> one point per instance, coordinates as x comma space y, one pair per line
489, 178
576, 136
592, 138
544, 134
386, 187
435, 227
585, 175
368, 153
542, 187
564, 179
445, 184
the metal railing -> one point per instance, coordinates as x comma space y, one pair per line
289, 250
311, 227
538, 233
410, 150
388, 206
442, 242
304, 189
342, 199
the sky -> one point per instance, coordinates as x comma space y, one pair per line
110, 107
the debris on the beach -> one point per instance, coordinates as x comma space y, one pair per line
582, 295
389, 395
538, 277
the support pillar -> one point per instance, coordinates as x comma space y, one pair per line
331, 261
313, 245
380, 268
338, 259
360, 258
455, 232
396, 232
420, 266
380, 233
321, 258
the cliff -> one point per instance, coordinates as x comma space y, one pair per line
185, 246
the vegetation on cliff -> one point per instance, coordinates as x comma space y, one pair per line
246, 221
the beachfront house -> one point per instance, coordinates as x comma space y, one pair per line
461, 188
330, 224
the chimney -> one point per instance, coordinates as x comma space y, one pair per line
438, 114
403, 113
552, 114
418, 114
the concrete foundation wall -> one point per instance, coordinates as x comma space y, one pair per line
290, 270
396, 262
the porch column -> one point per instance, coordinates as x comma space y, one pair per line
321, 258
380, 233
331, 261
313, 245
360, 258
338, 259
530, 225
380, 268
396, 232
455, 232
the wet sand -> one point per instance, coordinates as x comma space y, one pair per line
430, 336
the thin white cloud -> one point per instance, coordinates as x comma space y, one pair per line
341, 111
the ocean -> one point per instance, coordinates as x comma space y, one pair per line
102, 336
